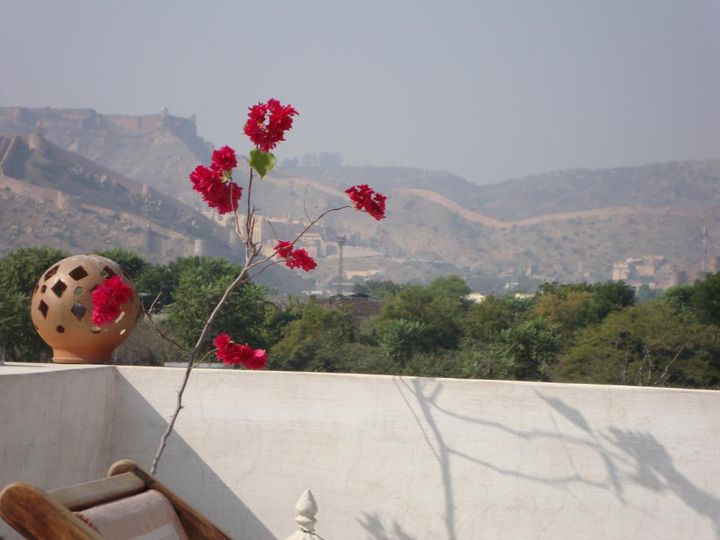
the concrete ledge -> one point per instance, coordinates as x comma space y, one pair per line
386, 457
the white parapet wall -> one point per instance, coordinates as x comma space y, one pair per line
55, 424
387, 458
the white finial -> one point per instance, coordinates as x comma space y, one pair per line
307, 508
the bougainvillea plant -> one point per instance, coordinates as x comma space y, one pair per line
107, 300
266, 126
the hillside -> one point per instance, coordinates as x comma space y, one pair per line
676, 184
563, 225
567, 225
49, 196
158, 150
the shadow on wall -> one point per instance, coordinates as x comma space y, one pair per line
377, 531
181, 468
630, 458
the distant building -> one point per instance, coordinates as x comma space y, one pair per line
476, 297
638, 271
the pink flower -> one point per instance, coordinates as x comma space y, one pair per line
107, 300
267, 123
367, 200
224, 159
216, 191
298, 258
233, 354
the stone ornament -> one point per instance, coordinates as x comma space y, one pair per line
61, 309
307, 509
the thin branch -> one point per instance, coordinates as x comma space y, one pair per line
152, 305
153, 324
670, 363
188, 369
263, 269
251, 253
173, 419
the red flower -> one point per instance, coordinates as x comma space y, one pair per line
267, 123
224, 159
107, 299
216, 192
233, 354
284, 249
366, 199
298, 258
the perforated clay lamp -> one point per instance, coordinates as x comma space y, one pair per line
61, 309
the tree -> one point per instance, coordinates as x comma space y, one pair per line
17, 333
529, 349
706, 298
452, 287
377, 289
649, 344
131, 262
21, 269
314, 341
156, 280
570, 311
645, 293
201, 283
679, 297
438, 314
484, 321
399, 338
575, 306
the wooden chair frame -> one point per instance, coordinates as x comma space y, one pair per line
41, 515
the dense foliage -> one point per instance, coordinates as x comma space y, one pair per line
594, 333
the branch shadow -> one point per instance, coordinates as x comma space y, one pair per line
373, 525
629, 457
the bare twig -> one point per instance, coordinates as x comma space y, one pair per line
152, 305
669, 364
153, 324
252, 250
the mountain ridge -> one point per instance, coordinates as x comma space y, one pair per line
562, 225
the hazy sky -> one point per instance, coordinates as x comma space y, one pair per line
487, 90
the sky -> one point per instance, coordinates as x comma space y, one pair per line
488, 90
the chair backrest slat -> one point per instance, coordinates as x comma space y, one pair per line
87, 494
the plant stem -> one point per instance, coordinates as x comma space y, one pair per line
251, 253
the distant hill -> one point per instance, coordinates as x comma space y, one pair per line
159, 150
118, 210
676, 184
564, 225
49, 196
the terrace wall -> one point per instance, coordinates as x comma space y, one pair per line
394, 457
55, 425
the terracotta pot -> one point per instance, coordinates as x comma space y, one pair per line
61, 308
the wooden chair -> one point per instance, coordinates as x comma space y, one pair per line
41, 515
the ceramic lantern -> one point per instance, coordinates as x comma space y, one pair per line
61, 309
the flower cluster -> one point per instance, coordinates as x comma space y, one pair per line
107, 300
266, 126
267, 123
368, 200
233, 354
297, 258
215, 183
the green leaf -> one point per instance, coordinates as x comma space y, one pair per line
262, 162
